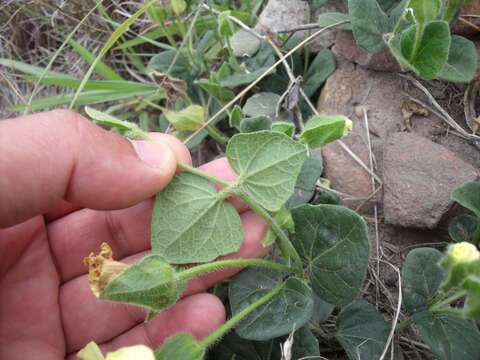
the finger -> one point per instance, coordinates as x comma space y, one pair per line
126, 231
80, 309
59, 155
199, 315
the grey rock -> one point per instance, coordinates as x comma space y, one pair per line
282, 15
419, 177
345, 46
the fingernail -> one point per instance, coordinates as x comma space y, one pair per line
153, 153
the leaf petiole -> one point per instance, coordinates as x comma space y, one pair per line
440, 306
203, 174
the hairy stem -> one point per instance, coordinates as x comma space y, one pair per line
417, 42
222, 264
222, 330
446, 302
203, 174
288, 251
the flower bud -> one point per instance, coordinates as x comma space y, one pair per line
461, 260
463, 252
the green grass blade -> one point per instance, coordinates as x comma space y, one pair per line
101, 68
31, 70
108, 45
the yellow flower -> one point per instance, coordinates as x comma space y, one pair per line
137, 352
348, 127
463, 252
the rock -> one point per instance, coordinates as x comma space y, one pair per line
419, 177
282, 15
345, 46
465, 29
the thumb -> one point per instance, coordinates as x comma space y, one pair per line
59, 155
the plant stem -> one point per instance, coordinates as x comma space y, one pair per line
216, 134
417, 41
404, 324
283, 242
222, 264
448, 300
449, 311
222, 330
203, 174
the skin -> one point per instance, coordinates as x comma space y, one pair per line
66, 186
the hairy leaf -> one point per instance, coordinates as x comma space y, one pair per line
328, 19
333, 243
151, 283
449, 337
288, 310
421, 278
319, 70
462, 227
362, 331
425, 10
162, 61
305, 344
180, 347
323, 129
468, 196
284, 128
268, 164
191, 222
264, 103
257, 123
462, 61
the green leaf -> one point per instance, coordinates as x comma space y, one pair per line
362, 331
284, 128
305, 344
425, 10
320, 69
225, 25
233, 347
427, 57
321, 309
369, 23
244, 43
178, 6
323, 129
264, 103
191, 222
333, 243
188, 119
449, 337
421, 278
268, 164
161, 63
215, 90
284, 219
462, 227
462, 61
327, 197
257, 123
472, 304
151, 283
306, 182
239, 79
328, 19
180, 347
235, 117
468, 196
289, 310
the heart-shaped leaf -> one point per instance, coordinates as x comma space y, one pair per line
362, 331
333, 243
191, 222
429, 55
462, 227
462, 61
256, 123
290, 309
305, 344
264, 103
162, 61
449, 337
468, 196
244, 43
151, 283
323, 129
268, 164
421, 278
319, 70
180, 347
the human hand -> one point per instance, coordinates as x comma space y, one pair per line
66, 186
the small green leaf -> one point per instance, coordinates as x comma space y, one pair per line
239, 79
191, 222
284, 128
125, 128
288, 310
421, 278
323, 129
307, 180
162, 62
264, 103
244, 43
215, 90
425, 10
468, 196
180, 347
151, 283
472, 304
462, 61
284, 220
188, 119
327, 197
319, 70
268, 164
321, 309
257, 123
328, 19
225, 25
427, 57
461, 260
462, 227
333, 243
362, 331
305, 344
449, 337
369, 23
235, 117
